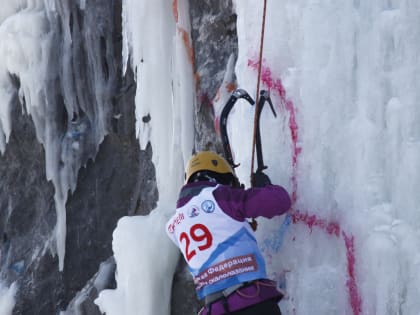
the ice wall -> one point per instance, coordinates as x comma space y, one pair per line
165, 86
344, 78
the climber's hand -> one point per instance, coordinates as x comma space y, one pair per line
260, 179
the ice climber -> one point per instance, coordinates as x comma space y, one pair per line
210, 228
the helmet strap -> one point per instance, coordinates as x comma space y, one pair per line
203, 176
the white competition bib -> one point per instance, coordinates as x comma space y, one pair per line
220, 251
200, 226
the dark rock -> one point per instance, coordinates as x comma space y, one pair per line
184, 300
83, 302
214, 41
27, 220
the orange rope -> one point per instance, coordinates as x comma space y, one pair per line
258, 88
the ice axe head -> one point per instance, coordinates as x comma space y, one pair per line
265, 96
240, 93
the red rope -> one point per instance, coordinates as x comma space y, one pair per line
258, 88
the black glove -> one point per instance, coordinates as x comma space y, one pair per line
260, 179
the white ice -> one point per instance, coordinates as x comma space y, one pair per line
351, 70
7, 298
165, 91
28, 48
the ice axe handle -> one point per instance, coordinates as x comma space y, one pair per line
264, 97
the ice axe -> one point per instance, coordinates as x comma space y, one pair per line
236, 95
264, 97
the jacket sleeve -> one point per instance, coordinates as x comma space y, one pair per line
240, 204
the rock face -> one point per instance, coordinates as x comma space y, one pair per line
116, 178
27, 219
214, 38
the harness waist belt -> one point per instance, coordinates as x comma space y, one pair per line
225, 293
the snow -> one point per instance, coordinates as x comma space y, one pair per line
346, 144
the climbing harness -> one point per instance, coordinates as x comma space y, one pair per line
224, 297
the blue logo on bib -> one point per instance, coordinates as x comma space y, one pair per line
208, 206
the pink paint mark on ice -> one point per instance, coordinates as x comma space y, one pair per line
330, 227
275, 84
355, 298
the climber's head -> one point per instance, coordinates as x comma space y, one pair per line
210, 166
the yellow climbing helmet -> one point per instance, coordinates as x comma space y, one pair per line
207, 161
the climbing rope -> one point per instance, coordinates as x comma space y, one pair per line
258, 88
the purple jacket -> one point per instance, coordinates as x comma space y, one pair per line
240, 204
